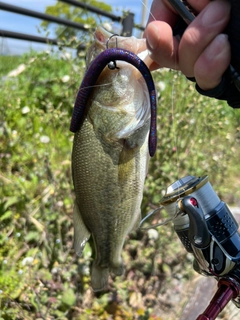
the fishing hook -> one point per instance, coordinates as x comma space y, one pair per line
113, 35
112, 64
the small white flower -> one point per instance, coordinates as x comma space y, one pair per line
5, 261
66, 55
60, 203
18, 234
65, 78
25, 110
86, 270
161, 85
153, 234
20, 272
44, 139
87, 26
58, 241
192, 121
54, 270
27, 261
107, 26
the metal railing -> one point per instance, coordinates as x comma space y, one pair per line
126, 21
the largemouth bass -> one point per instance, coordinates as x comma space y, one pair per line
110, 159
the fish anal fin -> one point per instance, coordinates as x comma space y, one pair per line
99, 277
81, 233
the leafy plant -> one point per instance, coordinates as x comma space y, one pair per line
40, 275
79, 15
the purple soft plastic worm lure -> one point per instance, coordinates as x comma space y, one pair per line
91, 76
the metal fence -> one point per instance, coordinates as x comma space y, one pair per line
127, 21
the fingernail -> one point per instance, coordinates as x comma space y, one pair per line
152, 37
219, 47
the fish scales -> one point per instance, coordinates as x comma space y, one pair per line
109, 164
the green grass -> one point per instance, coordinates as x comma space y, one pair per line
40, 276
8, 63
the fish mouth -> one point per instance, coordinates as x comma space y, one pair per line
106, 39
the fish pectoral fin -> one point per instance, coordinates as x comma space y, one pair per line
81, 233
99, 277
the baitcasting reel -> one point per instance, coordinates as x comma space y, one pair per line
208, 230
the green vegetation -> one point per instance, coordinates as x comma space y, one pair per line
8, 63
40, 276
78, 15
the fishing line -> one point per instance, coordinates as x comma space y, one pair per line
101, 85
97, 85
173, 94
175, 141
174, 124
149, 10
152, 213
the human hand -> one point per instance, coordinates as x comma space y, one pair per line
202, 52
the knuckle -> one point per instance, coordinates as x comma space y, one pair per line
190, 38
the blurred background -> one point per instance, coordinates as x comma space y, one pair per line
40, 275
14, 22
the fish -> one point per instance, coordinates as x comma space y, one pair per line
110, 158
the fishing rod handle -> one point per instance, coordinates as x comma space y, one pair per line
229, 88
228, 288
231, 81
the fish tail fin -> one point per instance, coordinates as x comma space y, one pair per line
81, 233
99, 277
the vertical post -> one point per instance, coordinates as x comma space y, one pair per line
127, 25
144, 12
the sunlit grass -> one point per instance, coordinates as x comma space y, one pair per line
40, 276
8, 63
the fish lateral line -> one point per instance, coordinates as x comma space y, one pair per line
90, 79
